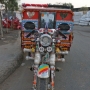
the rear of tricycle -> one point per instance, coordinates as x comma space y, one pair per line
47, 35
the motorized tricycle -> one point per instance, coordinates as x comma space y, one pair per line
47, 35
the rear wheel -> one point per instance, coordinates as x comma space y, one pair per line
42, 84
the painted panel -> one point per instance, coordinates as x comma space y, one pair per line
64, 16
47, 20
70, 23
30, 20
30, 14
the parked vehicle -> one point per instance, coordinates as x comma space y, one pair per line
47, 35
11, 23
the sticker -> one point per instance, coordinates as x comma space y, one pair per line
43, 68
30, 14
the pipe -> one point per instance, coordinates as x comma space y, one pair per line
63, 52
26, 50
61, 59
29, 58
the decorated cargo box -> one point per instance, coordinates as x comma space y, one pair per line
44, 16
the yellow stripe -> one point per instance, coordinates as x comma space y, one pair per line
43, 68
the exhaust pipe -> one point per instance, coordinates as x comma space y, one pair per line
63, 52
61, 59
29, 58
26, 50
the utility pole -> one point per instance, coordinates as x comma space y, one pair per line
1, 21
6, 1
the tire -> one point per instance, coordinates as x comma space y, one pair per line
42, 84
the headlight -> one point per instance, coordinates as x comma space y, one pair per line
41, 49
49, 49
45, 40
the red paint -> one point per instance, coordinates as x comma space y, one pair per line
39, 5
14, 22
25, 16
43, 70
68, 17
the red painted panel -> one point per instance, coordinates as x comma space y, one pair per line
67, 18
38, 5
34, 15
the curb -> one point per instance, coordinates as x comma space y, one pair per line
13, 60
17, 62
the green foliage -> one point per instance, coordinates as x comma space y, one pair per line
10, 4
68, 4
84, 8
1, 1
65, 4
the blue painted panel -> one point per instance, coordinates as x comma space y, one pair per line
60, 22
26, 20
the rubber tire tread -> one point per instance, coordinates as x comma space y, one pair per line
42, 84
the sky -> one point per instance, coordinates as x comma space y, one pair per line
76, 3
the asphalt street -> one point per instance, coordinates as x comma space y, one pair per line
75, 73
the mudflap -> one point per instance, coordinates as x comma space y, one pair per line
43, 71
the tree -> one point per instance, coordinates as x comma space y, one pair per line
84, 8
65, 4
68, 4
10, 4
1, 1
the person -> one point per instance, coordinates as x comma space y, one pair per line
47, 20
47, 17
10, 17
42, 23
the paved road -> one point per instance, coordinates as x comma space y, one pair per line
75, 74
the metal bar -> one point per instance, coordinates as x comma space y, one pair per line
1, 24
59, 6
46, 5
36, 5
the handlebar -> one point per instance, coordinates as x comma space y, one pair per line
36, 31
32, 32
26, 50
61, 34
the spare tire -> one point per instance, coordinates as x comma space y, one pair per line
64, 26
29, 25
